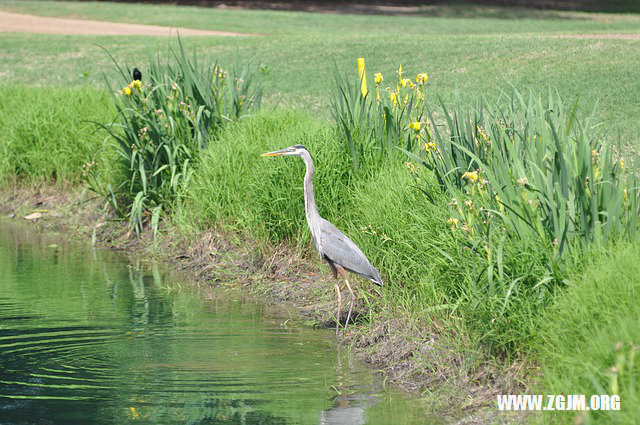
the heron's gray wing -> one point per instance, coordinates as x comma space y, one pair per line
338, 248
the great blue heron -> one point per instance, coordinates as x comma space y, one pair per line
334, 246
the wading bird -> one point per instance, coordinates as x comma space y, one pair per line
334, 246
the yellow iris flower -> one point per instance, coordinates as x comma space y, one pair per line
378, 78
422, 78
415, 125
393, 97
471, 176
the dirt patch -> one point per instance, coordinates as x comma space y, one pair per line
18, 22
424, 356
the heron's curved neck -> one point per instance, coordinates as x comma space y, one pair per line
309, 197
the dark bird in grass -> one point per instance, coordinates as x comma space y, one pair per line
334, 247
137, 75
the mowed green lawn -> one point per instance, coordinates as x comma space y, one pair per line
469, 56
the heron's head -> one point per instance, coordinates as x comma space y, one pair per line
297, 150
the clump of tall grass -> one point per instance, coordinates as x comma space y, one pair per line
588, 337
162, 125
235, 186
47, 132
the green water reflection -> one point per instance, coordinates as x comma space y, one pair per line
87, 337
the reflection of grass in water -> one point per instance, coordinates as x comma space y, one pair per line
168, 356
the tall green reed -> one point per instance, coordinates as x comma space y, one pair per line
530, 169
164, 123
533, 188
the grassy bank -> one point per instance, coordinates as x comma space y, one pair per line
521, 298
574, 337
587, 337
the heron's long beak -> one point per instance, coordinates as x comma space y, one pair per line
275, 153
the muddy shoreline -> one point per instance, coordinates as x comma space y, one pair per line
411, 355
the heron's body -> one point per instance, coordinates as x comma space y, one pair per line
340, 252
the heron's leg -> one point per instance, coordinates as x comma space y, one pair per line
343, 273
339, 308
353, 300
334, 270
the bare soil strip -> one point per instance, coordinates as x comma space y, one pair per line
18, 22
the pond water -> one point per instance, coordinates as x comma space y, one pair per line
87, 336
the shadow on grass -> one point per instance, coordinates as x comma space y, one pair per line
496, 9
532, 10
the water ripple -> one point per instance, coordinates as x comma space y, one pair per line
95, 340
